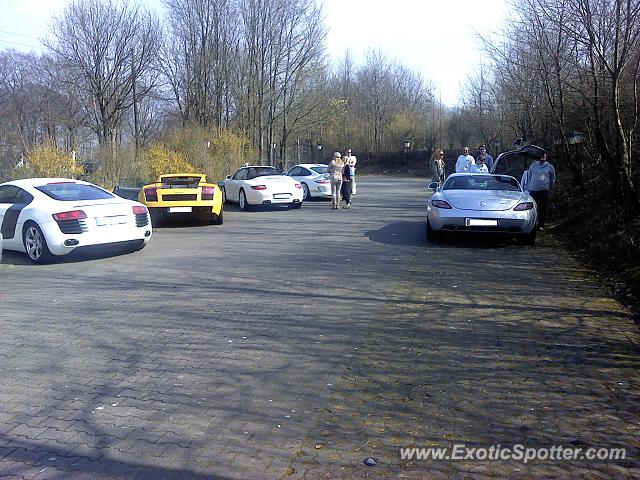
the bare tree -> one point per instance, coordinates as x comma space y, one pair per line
608, 34
105, 49
200, 57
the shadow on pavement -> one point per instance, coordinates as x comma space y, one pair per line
414, 234
399, 233
97, 252
59, 463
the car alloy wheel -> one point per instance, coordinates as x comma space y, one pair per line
224, 195
35, 244
242, 201
305, 191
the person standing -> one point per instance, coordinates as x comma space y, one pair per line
540, 177
479, 166
351, 160
346, 185
488, 159
336, 166
437, 167
464, 162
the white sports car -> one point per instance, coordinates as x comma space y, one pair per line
48, 217
314, 178
482, 203
261, 185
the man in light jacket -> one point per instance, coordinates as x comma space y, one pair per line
464, 162
538, 180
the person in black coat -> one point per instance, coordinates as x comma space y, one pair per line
346, 186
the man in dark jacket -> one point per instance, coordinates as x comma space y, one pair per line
346, 186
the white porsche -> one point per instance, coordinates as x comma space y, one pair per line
48, 217
261, 185
314, 178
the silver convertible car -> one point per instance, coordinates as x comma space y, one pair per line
485, 203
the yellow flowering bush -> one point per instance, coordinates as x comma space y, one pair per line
161, 160
48, 161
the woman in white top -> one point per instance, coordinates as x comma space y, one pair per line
335, 176
479, 167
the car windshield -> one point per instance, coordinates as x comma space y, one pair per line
261, 172
180, 182
71, 191
482, 182
320, 169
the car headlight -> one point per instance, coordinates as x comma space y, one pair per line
523, 206
440, 204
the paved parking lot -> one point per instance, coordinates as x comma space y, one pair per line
296, 344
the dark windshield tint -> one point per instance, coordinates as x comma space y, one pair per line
180, 182
481, 182
71, 192
320, 169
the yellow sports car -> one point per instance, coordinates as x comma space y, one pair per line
183, 194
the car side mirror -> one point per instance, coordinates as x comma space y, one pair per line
433, 186
228, 177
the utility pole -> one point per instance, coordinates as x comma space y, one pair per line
135, 104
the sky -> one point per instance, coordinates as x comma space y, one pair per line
437, 38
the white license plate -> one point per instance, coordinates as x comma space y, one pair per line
179, 209
480, 222
281, 195
115, 220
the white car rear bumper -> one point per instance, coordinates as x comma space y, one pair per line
259, 197
62, 243
507, 221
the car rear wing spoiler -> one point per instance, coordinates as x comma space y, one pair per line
130, 193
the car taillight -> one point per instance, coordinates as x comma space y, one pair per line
524, 206
440, 204
139, 210
208, 193
151, 194
322, 181
259, 187
72, 215
298, 185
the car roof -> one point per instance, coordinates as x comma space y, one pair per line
36, 182
310, 165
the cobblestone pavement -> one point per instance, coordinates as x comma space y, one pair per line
295, 344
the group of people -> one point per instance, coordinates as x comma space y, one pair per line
342, 174
482, 163
537, 180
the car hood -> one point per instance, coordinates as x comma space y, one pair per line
482, 200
